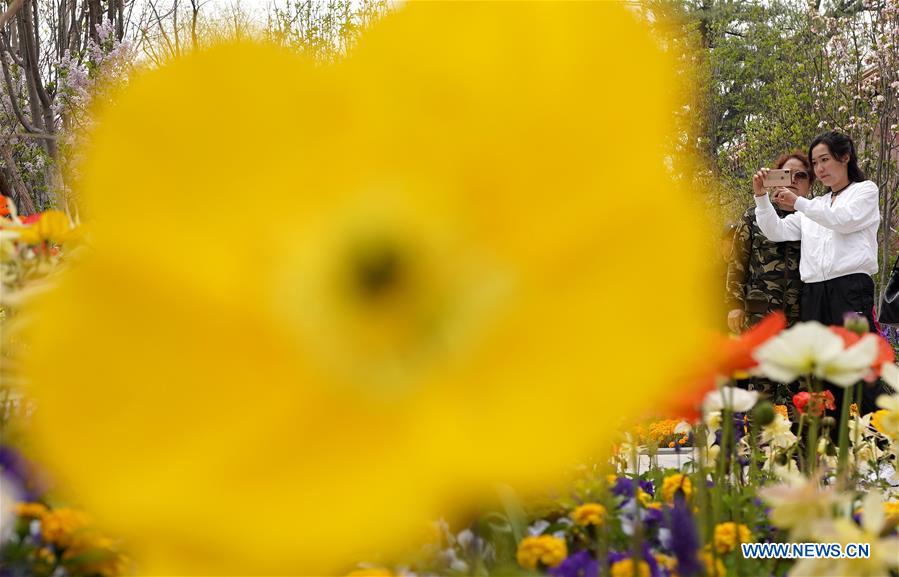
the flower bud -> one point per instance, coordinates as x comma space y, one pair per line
828, 422
763, 413
856, 323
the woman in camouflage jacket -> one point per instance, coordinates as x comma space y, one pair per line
763, 276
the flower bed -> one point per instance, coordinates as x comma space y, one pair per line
758, 474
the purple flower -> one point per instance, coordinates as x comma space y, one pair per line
16, 467
624, 487
580, 564
684, 539
654, 570
648, 557
652, 515
739, 423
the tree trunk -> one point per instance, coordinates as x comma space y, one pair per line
95, 16
22, 198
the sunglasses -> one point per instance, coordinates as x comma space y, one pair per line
800, 175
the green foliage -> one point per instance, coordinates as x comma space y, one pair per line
324, 31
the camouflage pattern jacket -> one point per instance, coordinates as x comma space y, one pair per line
762, 276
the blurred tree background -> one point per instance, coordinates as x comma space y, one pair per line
769, 76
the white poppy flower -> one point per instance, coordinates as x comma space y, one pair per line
798, 502
889, 372
812, 349
736, 399
889, 403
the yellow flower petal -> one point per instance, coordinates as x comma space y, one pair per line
322, 298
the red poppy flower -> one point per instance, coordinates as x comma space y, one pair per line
4, 205
814, 403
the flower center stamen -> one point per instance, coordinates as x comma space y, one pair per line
377, 269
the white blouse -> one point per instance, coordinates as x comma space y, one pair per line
837, 239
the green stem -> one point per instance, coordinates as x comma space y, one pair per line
794, 446
724, 458
811, 454
843, 455
754, 452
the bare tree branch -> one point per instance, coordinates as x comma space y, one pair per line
11, 11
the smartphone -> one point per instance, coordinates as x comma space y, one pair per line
777, 177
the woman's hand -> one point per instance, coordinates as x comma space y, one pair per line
757, 187
757, 180
735, 320
785, 198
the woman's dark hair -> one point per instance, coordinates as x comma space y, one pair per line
840, 146
801, 157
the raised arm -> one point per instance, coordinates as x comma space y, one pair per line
860, 211
773, 227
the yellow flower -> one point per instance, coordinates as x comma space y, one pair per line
53, 226
589, 514
373, 572
666, 561
30, 510
891, 511
60, 526
544, 550
886, 422
674, 483
713, 566
93, 554
729, 535
782, 410
46, 555
644, 497
346, 313
625, 568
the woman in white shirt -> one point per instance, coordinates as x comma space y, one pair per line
838, 231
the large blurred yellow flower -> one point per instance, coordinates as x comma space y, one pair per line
325, 304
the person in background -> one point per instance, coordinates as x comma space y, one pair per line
839, 238
725, 253
763, 276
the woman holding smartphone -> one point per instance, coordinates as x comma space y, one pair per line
763, 276
838, 232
